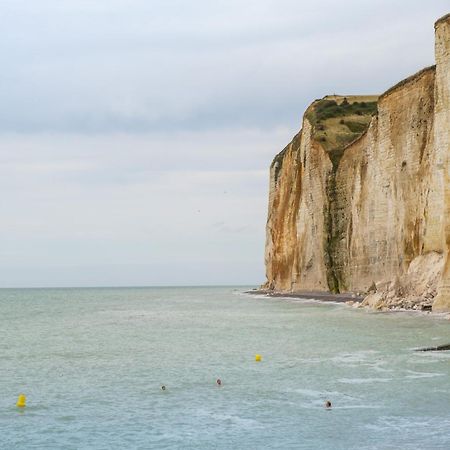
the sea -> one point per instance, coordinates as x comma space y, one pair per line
91, 363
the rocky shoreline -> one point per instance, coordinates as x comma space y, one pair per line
306, 295
377, 301
415, 291
382, 301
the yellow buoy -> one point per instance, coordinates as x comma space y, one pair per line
21, 401
258, 358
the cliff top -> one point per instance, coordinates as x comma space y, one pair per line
410, 79
351, 98
442, 19
338, 120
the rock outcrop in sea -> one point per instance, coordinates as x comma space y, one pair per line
360, 199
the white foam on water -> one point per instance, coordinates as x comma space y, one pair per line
417, 375
370, 380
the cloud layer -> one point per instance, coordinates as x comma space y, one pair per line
135, 137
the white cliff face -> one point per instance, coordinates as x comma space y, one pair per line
442, 143
295, 244
368, 218
384, 214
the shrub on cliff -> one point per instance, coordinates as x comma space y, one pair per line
355, 127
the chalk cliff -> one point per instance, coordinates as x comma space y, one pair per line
361, 196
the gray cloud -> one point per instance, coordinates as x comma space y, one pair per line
168, 65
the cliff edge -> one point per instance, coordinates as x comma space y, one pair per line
360, 199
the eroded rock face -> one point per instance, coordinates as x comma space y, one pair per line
442, 142
389, 191
295, 229
416, 289
379, 211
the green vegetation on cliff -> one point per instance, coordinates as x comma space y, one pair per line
337, 121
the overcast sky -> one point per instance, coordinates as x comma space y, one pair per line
136, 136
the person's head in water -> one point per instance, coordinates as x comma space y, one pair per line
219, 382
163, 388
327, 404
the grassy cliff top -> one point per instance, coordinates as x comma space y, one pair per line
339, 120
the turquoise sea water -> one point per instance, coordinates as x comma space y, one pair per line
91, 362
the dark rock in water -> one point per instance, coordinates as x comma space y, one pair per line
426, 307
434, 349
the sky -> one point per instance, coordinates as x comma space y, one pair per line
136, 136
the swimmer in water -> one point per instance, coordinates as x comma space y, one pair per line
219, 382
163, 388
327, 404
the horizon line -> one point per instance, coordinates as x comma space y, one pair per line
162, 286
